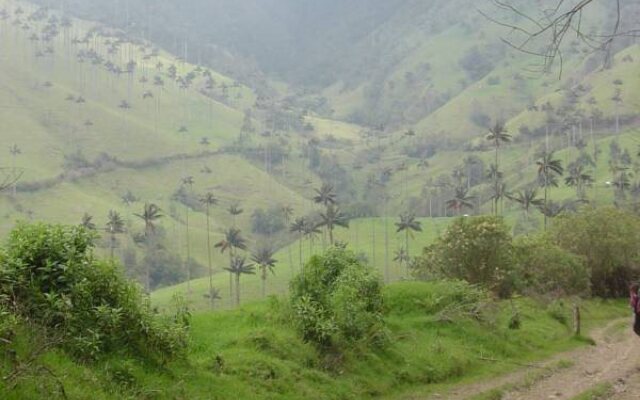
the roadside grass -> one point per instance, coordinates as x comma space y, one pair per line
601, 391
254, 352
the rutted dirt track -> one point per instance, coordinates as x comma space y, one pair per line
614, 359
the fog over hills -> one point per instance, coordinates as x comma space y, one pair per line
322, 199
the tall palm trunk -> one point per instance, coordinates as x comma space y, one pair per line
263, 277
496, 157
386, 244
147, 266
406, 244
300, 248
209, 258
495, 180
188, 260
373, 242
237, 289
546, 209
330, 229
230, 277
113, 245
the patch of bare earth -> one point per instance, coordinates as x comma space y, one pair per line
614, 359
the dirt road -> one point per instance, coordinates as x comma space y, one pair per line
614, 359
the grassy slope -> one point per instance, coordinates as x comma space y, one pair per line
252, 353
132, 135
46, 127
365, 236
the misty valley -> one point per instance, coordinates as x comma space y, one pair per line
296, 199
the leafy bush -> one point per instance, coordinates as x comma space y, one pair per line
8, 326
336, 300
477, 250
49, 277
608, 240
545, 268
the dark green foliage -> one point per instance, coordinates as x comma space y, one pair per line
476, 63
477, 250
267, 222
337, 300
186, 196
608, 239
166, 268
48, 276
545, 268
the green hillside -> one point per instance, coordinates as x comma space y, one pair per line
98, 113
81, 150
252, 353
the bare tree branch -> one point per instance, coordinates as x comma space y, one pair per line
549, 32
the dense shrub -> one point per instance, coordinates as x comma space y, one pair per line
545, 268
49, 277
337, 300
267, 222
608, 239
477, 250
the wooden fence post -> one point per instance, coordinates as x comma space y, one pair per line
576, 320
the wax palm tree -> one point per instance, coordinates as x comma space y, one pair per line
151, 213
621, 182
115, 226
408, 224
15, 151
235, 210
87, 222
209, 200
579, 178
458, 175
460, 200
298, 226
331, 218
232, 241
188, 181
493, 173
400, 256
495, 176
548, 170
287, 214
325, 195
498, 193
237, 268
263, 258
526, 199
497, 135
213, 295
311, 232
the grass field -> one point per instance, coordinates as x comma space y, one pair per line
254, 353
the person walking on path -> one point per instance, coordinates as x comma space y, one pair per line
635, 306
